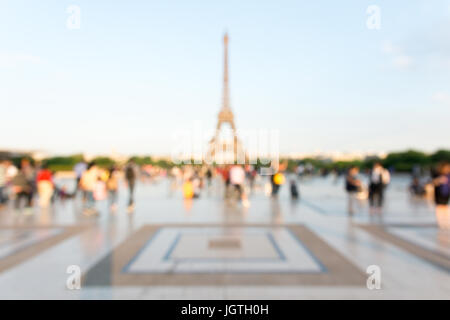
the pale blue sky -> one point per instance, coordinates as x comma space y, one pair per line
136, 71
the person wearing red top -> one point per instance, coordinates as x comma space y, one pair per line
44, 175
45, 186
225, 173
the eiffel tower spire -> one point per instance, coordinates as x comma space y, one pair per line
226, 116
226, 89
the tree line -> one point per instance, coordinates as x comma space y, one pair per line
403, 161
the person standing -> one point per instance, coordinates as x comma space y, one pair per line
196, 184
79, 169
225, 173
88, 182
22, 187
237, 180
188, 189
294, 188
352, 186
130, 176
209, 176
30, 173
250, 173
45, 186
3, 197
277, 179
442, 195
378, 180
11, 172
112, 185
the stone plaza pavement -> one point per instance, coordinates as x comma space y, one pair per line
210, 248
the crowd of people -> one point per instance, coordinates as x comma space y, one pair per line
378, 180
238, 181
437, 187
96, 184
20, 183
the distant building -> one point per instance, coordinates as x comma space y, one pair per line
9, 154
338, 156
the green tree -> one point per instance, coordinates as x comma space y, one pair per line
405, 161
440, 156
104, 162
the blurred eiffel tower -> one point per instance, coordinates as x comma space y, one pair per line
230, 152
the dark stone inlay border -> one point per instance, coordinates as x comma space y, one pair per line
433, 257
108, 271
36, 248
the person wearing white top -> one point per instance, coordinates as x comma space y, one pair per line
237, 180
379, 178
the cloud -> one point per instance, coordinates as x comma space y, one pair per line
389, 48
13, 60
403, 61
428, 42
398, 58
442, 98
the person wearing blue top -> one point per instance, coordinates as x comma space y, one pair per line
442, 195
